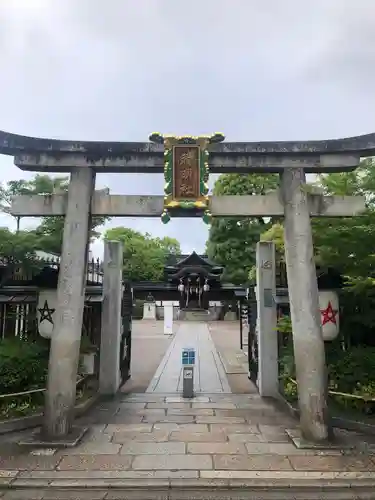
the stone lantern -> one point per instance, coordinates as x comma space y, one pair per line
149, 308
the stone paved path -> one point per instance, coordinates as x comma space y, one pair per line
149, 345
226, 337
209, 373
165, 441
173, 447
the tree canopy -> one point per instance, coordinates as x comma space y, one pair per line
346, 244
342, 243
48, 234
232, 241
144, 256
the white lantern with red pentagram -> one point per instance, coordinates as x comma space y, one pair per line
329, 313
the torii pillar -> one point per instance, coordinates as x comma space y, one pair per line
66, 339
309, 352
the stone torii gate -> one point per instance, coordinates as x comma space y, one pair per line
186, 195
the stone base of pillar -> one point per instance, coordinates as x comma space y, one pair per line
40, 440
149, 310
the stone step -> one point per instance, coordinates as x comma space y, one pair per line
179, 485
196, 315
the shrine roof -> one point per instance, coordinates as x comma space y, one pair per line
14, 144
192, 259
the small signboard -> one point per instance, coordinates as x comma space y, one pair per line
186, 174
188, 373
188, 356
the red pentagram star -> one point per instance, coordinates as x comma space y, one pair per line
328, 315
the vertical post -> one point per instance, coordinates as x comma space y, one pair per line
241, 326
66, 339
109, 371
304, 308
268, 373
188, 362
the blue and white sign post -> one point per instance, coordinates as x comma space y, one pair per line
188, 362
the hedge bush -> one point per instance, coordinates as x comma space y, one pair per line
350, 372
352, 369
23, 365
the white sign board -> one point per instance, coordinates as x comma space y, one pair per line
168, 319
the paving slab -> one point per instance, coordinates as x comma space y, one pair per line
251, 462
215, 448
95, 447
170, 427
198, 437
95, 462
26, 461
151, 448
209, 373
141, 437
172, 462
332, 463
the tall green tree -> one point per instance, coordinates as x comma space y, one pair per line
347, 245
17, 250
144, 256
344, 243
50, 231
232, 241
169, 245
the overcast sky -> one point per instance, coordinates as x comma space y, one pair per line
120, 69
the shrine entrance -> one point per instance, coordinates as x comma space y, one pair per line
186, 162
194, 277
195, 284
